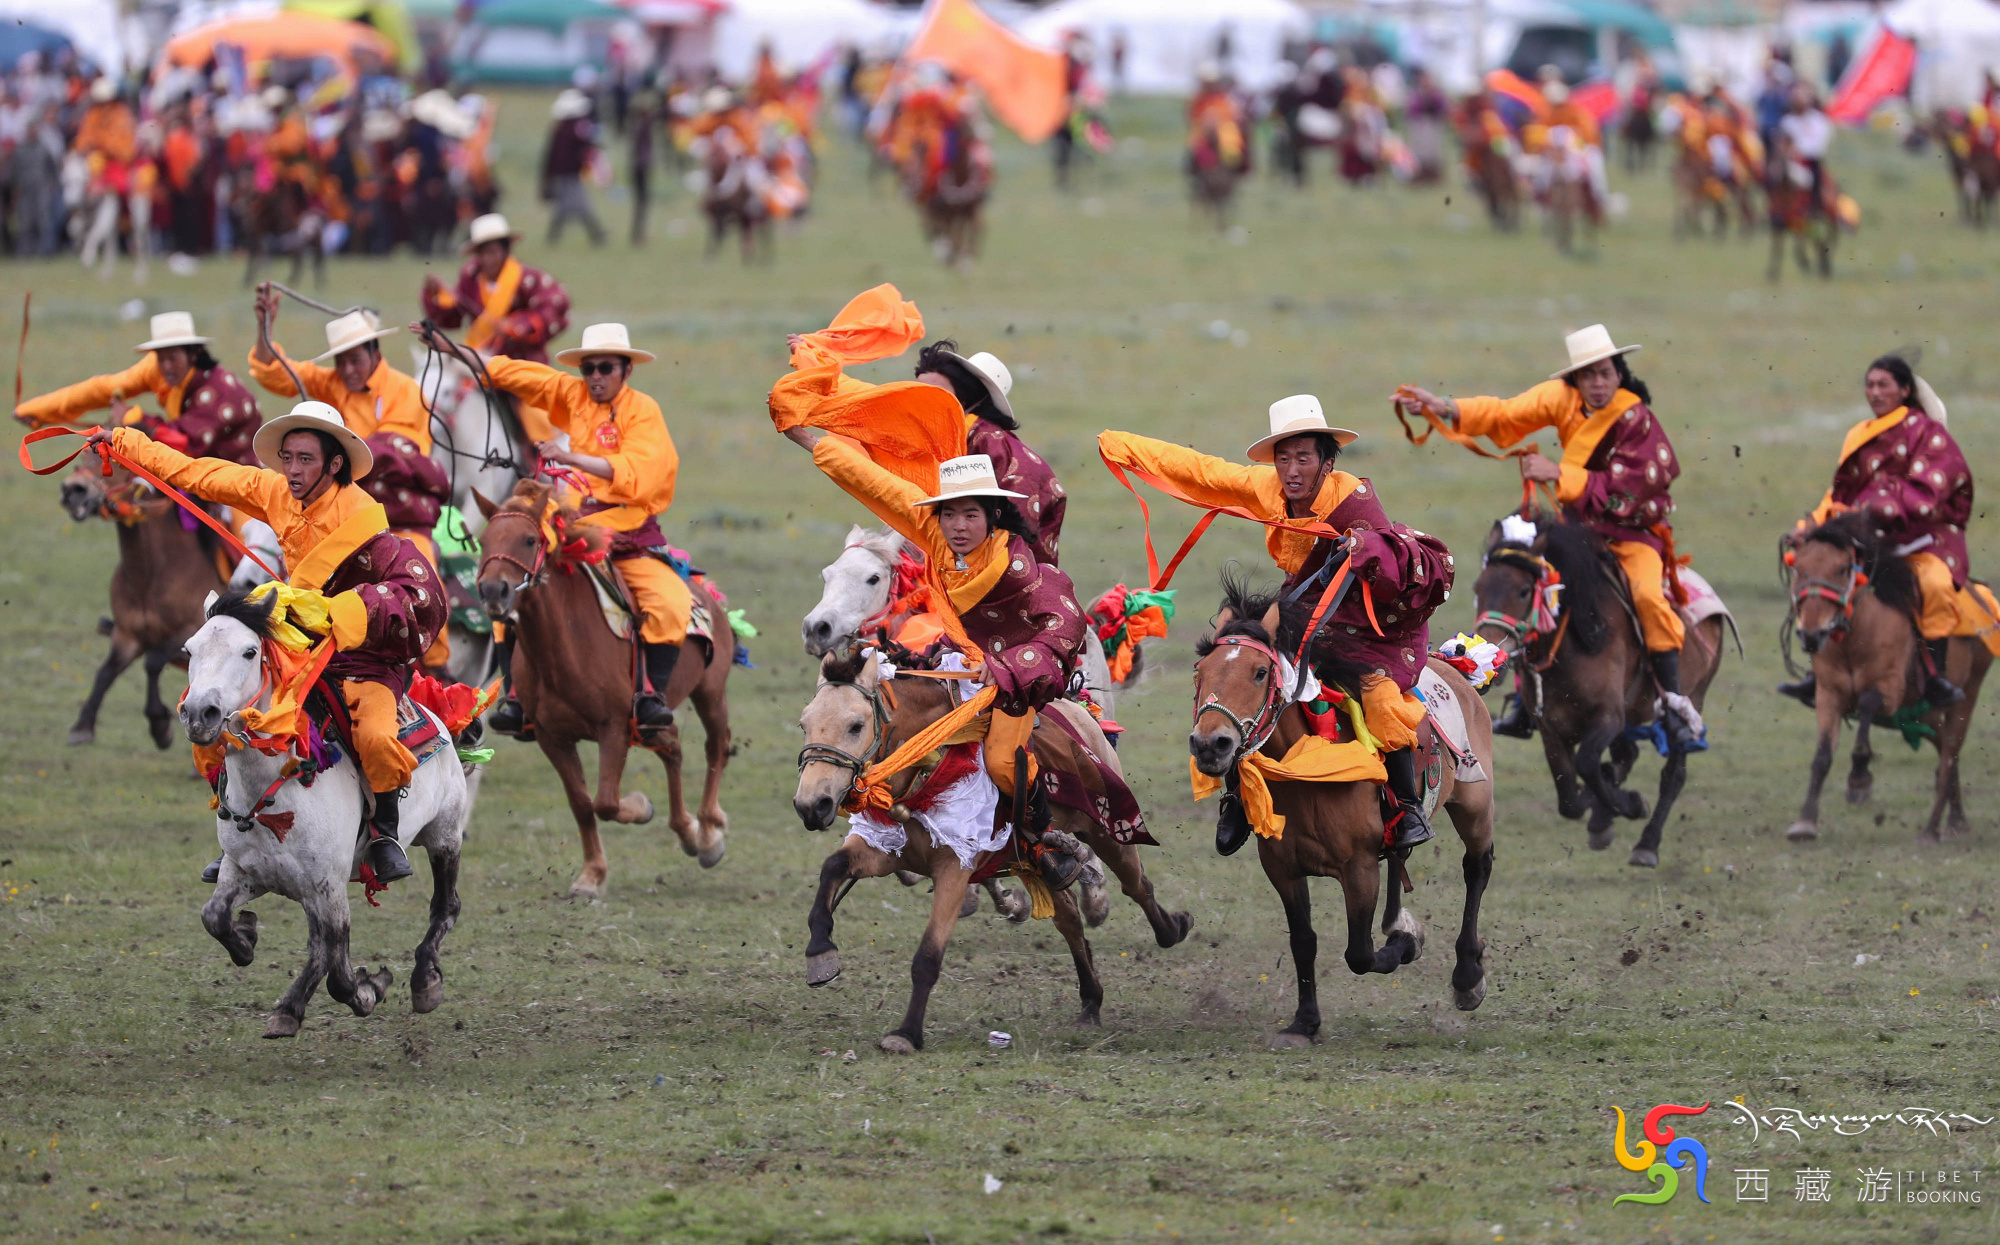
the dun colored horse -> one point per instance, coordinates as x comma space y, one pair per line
1588, 680
164, 574
574, 678
1853, 608
853, 721
1333, 829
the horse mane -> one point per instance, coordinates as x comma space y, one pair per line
252, 612
844, 665
1892, 579
529, 497
1517, 554
1248, 605
1578, 555
885, 543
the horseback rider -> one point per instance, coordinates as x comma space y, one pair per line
384, 601
382, 406
1296, 481
619, 443
514, 310
982, 384
1903, 465
1019, 612
1616, 468
206, 411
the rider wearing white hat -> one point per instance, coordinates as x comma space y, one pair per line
513, 310
384, 602
984, 386
1615, 474
205, 411
1377, 640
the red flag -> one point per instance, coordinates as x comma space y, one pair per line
1025, 85
1882, 73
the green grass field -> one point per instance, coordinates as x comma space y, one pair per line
618, 1071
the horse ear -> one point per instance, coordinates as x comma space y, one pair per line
209, 604
1270, 620
1223, 617
486, 507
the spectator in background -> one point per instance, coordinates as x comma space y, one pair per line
1775, 100
645, 123
572, 142
37, 177
1423, 120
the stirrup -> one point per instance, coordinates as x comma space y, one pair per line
1409, 829
508, 718
387, 858
1940, 691
1514, 721
1058, 868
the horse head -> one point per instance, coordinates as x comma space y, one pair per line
225, 664
513, 551
1503, 597
85, 490
846, 725
858, 587
1830, 566
1238, 684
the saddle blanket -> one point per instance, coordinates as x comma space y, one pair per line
1703, 601
1448, 717
618, 611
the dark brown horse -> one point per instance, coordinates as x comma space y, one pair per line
1853, 609
1973, 164
574, 678
855, 720
732, 197
1588, 680
1334, 829
158, 591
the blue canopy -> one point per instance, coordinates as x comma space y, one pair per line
18, 38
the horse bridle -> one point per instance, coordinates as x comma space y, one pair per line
530, 575
1254, 731
853, 763
1840, 595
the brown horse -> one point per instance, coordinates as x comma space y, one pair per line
855, 720
574, 678
1334, 829
732, 197
1797, 214
164, 576
280, 221
1853, 610
953, 209
1974, 166
1213, 176
1588, 678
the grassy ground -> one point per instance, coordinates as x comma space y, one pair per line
619, 1071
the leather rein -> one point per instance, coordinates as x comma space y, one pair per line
530, 575
1254, 731
855, 763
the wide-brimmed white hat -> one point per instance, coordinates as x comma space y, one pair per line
970, 476
1587, 346
356, 328
316, 417
993, 374
491, 227
172, 328
604, 339
104, 89
570, 104
1292, 417
437, 109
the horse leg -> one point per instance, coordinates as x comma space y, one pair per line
1468, 976
683, 825
1673, 776
1089, 988
1169, 928
1828, 707
236, 931
1859, 781
949, 878
853, 861
1012, 904
124, 651
346, 982
427, 977
569, 768
159, 718
1624, 755
713, 709
290, 1012
1950, 741
1611, 801
1572, 799
1295, 894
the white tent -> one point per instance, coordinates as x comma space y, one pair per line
1957, 41
92, 25
1167, 40
799, 31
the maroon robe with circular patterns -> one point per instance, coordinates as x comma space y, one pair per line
1915, 480
1021, 470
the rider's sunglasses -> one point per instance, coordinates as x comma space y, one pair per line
608, 367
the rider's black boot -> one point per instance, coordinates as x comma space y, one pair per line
385, 854
1232, 823
1410, 827
213, 873
649, 708
507, 717
1805, 691
1514, 721
1939, 690
1681, 733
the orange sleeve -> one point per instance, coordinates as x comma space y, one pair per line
65, 404
319, 381
888, 496
1205, 479
551, 389
403, 411
252, 490
1506, 421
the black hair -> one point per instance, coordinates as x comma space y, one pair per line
971, 392
252, 612
329, 449
1625, 380
1903, 374
1579, 555
1328, 444
1889, 577
200, 359
1247, 606
1002, 515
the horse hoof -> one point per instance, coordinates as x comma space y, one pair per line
425, 998
969, 905
82, 735
897, 1044
1183, 925
1860, 794
1096, 904
1632, 805
1288, 1040
1929, 837
163, 732
637, 809
711, 855
584, 888
1407, 923
1600, 839
245, 924
822, 968
1802, 832
1089, 1017
1469, 1000
1013, 905
282, 1025
1644, 858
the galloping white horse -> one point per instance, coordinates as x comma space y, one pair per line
320, 847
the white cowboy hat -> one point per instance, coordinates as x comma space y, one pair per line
316, 417
1291, 417
172, 328
491, 227
1555, 92
604, 339
1587, 346
441, 112
970, 476
104, 89
570, 104
993, 374
356, 328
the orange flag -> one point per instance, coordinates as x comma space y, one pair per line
1024, 85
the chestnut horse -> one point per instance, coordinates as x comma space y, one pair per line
1853, 609
164, 576
574, 678
1333, 829
1588, 680
854, 721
